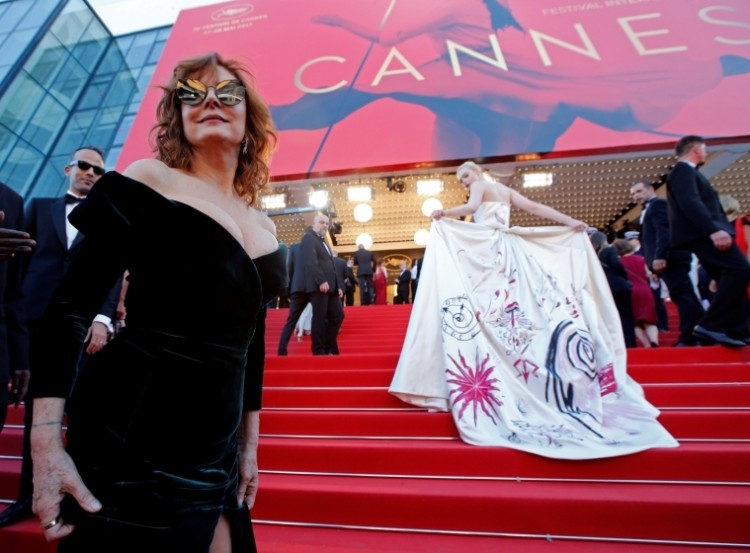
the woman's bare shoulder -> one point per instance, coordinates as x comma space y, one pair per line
151, 172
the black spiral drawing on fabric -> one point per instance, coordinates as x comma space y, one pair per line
458, 320
577, 350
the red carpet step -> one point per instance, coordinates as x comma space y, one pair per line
345, 467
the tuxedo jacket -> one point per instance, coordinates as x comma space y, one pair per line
365, 262
655, 235
694, 208
403, 283
314, 265
49, 262
13, 332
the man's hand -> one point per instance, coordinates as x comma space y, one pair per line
659, 265
722, 240
13, 241
324, 288
96, 337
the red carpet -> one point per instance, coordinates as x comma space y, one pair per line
347, 468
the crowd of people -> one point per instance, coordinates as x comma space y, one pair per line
532, 323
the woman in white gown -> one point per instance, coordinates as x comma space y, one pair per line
518, 336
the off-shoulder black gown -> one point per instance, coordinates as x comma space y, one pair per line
153, 418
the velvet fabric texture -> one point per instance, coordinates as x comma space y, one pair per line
153, 418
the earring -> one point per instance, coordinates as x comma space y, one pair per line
244, 146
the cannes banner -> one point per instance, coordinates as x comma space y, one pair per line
364, 84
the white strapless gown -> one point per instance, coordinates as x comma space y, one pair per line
514, 330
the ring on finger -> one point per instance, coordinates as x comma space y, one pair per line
52, 523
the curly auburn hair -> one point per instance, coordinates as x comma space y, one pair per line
175, 151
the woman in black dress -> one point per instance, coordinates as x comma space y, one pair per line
163, 424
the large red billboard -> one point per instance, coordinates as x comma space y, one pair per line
358, 84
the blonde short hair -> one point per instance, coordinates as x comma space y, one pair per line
470, 165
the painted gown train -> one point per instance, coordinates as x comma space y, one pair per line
514, 331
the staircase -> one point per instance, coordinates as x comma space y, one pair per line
346, 467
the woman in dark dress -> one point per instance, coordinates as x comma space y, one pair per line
163, 424
618, 284
642, 298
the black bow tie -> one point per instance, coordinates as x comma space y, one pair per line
73, 199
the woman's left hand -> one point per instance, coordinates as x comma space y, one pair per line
437, 214
248, 487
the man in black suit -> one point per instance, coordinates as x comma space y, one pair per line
671, 264
403, 283
366, 263
314, 280
57, 244
697, 223
416, 267
350, 282
14, 363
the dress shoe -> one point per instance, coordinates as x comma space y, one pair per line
281, 353
682, 343
718, 337
16, 512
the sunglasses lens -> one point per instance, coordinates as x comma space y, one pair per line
85, 166
190, 92
230, 93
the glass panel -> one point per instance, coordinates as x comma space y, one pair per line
7, 141
15, 15
122, 90
112, 156
35, 17
123, 130
124, 42
21, 99
156, 52
95, 93
72, 22
69, 83
45, 124
138, 53
102, 131
92, 44
112, 61
164, 33
20, 168
46, 60
17, 42
74, 135
51, 181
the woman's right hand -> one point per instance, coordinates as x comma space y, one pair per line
55, 475
578, 226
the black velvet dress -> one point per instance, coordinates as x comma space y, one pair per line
153, 418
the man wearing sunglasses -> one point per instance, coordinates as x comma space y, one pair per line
57, 244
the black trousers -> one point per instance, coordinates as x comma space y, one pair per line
366, 291
328, 314
297, 303
624, 306
677, 278
730, 269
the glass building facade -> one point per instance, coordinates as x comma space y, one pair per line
65, 82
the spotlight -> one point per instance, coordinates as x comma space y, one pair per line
396, 186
